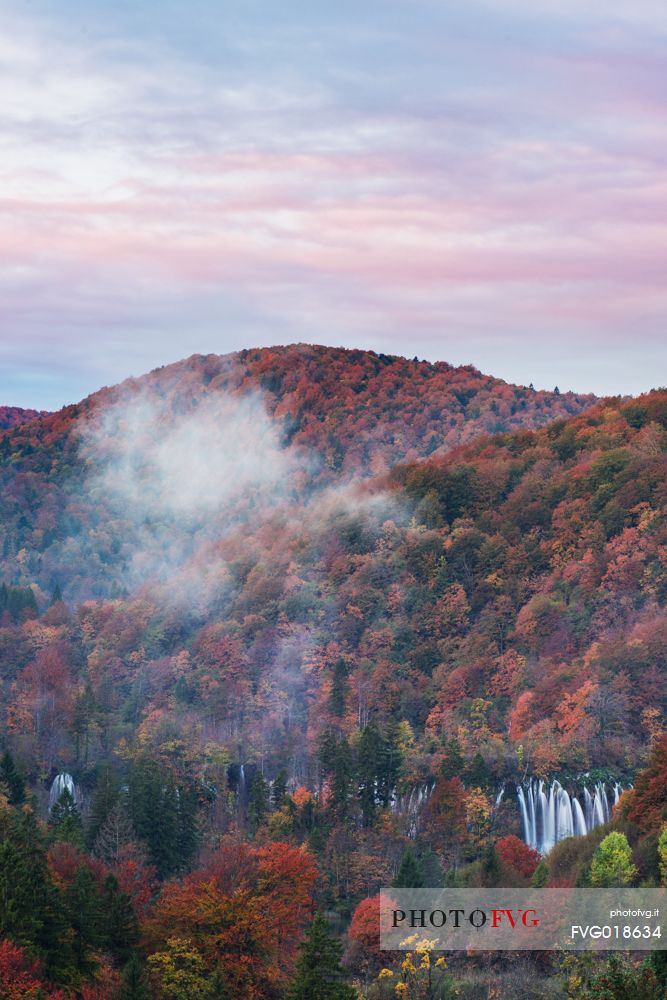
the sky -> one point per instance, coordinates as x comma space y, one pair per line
477, 182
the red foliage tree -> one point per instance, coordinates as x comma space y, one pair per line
519, 856
365, 924
19, 974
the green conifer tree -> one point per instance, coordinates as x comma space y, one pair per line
104, 798
82, 906
478, 775
540, 875
279, 789
338, 696
336, 758
369, 752
258, 802
188, 831
31, 914
134, 985
83, 723
389, 765
12, 780
162, 815
319, 975
410, 874
65, 820
453, 763
120, 927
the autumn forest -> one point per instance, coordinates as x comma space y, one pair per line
284, 627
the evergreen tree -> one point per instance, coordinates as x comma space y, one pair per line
21, 603
83, 721
163, 814
106, 795
258, 803
134, 985
30, 910
368, 765
65, 820
82, 907
658, 961
478, 775
338, 696
10, 777
319, 975
410, 874
336, 758
57, 595
453, 763
540, 875
164, 831
490, 865
119, 921
389, 765
188, 831
279, 789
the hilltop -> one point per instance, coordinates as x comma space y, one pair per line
346, 414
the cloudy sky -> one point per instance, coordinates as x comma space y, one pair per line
479, 182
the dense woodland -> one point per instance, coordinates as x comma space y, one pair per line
463, 584
12, 416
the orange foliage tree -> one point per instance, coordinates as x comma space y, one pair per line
244, 912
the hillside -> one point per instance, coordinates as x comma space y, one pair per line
312, 686
509, 594
338, 415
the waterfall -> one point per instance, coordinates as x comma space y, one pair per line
61, 782
564, 815
548, 818
599, 811
411, 805
589, 809
527, 829
579, 819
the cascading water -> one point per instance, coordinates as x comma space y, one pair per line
411, 805
547, 817
61, 783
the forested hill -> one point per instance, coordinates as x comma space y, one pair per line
338, 414
12, 416
358, 409
387, 653
510, 596
364, 411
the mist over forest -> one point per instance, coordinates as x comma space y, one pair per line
282, 628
